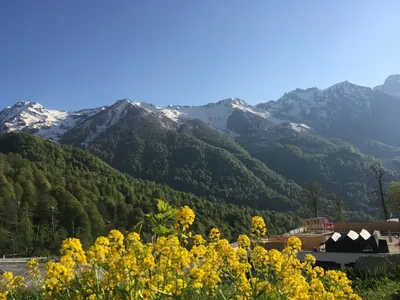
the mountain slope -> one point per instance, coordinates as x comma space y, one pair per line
218, 115
49, 192
336, 165
192, 158
344, 110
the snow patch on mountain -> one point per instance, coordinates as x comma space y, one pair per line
315, 104
214, 114
299, 127
33, 117
174, 115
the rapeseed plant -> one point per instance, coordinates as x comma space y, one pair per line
118, 267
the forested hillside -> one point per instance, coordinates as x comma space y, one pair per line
193, 158
263, 170
49, 192
338, 166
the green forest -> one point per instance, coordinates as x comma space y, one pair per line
335, 164
49, 192
264, 170
193, 159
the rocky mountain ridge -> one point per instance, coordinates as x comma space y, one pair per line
299, 110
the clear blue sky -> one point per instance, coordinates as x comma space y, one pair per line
73, 54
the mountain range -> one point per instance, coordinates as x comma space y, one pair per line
301, 110
230, 151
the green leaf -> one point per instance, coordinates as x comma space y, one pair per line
163, 206
162, 230
138, 227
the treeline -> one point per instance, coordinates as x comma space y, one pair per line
49, 192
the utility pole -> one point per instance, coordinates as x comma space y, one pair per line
36, 238
17, 223
12, 239
52, 225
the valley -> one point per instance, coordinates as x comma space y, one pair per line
229, 155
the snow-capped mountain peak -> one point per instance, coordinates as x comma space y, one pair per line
298, 109
232, 102
346, 87
216, 115
303, 94
35, 118
314, 106
347, 90
391, 86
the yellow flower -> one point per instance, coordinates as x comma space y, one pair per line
3, 295
214, 234
242, 254
197, 273
73, 248
198, 240
33, 266
197, 285
258, 227
294, 243
259, 258
116, 238
7, 277
243, 241
10, 282
98, 252
185, 217
310, 259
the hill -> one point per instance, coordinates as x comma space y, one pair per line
49, 192
337, 165
192, 158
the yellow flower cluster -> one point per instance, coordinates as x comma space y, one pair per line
9, 284
185, 217
258, 228
119, 267
214, 234
244, 241
33, 268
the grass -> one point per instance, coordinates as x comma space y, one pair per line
376, 288
369, 288
377, 284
